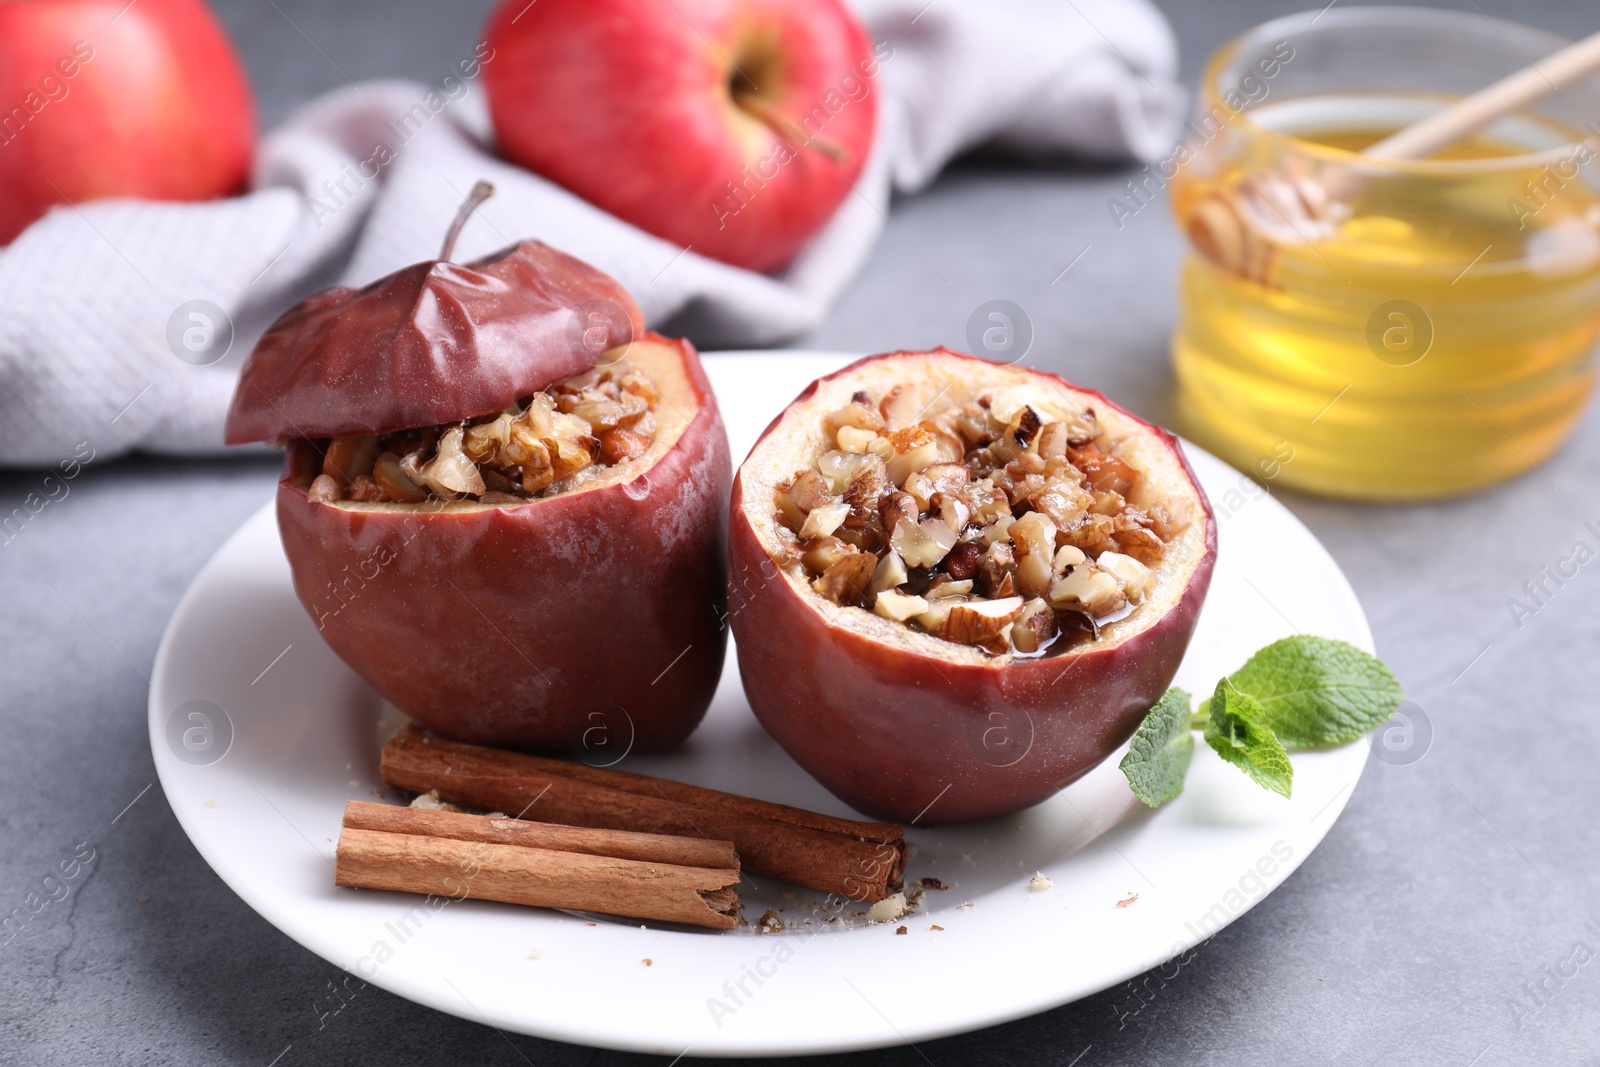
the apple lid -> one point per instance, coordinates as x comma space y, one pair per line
432, 343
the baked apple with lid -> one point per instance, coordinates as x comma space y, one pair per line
503, 504
956, 586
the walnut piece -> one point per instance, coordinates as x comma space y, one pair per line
846, 581
1034, 627
978, 621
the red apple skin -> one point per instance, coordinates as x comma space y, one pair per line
436, 341
153, 105
899, 736
587, 621
628, 105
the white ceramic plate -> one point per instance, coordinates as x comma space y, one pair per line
287, 734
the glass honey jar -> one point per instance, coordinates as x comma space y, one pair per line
1399, 329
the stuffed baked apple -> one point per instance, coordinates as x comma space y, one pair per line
957, 586
501, 507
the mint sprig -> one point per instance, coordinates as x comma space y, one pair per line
1318, 692
1238, 730
1297, 693
1159, 756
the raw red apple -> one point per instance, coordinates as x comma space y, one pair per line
734, 127
591, 618
944, 717
103, 98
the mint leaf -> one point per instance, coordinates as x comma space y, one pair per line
1238, 730
1316, 692
1159, 756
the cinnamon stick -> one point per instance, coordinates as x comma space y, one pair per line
617, 844
476, 862
859, 860
702, 796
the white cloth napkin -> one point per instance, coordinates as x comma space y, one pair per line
115, 315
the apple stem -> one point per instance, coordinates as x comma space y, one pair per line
826, 147
766, 113
480, 192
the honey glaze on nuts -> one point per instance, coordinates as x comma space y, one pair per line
552, 442
1012, 533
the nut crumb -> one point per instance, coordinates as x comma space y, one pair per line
1129, 900
430, 801
770, 923
144, 900
536, 954
935, 926
899, 929
933, 883
1039, 882
888, 909
648, 962
586, 922
964, 907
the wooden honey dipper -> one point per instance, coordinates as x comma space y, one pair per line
1238, 227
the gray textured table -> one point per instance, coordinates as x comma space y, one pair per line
1438, 923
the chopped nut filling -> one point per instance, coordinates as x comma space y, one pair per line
552, 442
1006, 534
